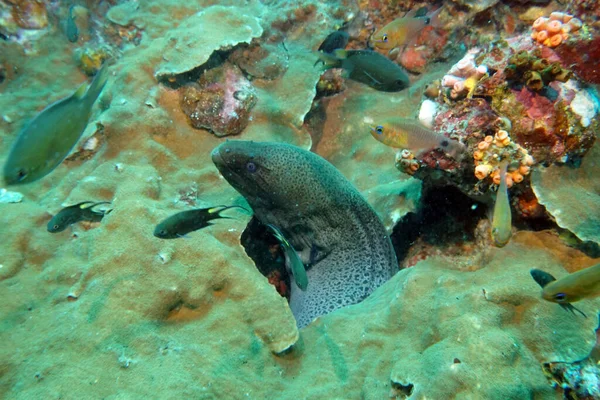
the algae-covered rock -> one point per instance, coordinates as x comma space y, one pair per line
572, 194
221, 101
191, 43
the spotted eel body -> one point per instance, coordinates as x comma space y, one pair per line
321, 214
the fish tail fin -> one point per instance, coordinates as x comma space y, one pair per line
456, 150
97, 84
542, 278
329, 60
215, 212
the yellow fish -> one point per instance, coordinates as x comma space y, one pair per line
502, 217
577, 286
49, 137
398, 32
410, 134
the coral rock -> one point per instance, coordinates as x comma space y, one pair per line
30, 14
220, 102
264, 61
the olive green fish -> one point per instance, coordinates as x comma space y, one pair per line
410, 134
70, 215
71, 29
502, 217
182, 223
368, 67
577, 286
292, 259
49, 137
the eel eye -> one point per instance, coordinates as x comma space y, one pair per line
384, 38
379, 129
251, 167
56, 226
560, 297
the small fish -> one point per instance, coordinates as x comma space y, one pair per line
71, 29
401, 30
70, 215
410, 134
577, 286
292, 259
49, 137
368, 67
334, 41
182, 223
502, 217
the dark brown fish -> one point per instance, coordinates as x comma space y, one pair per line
368, 67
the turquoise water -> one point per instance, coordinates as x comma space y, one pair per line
275, 199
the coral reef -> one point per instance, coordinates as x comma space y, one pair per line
554, 30
464, 75
261, 61
579, 379
534, 71
29, 14
197, 312
491, 151
90, 59
507, 100
192, 43
572, 195
221, 101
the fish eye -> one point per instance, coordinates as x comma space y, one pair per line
560, 297
379, 129
384, 37
445, 143
56, 226
21, 174
250, 167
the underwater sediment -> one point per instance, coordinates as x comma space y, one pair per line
97, 305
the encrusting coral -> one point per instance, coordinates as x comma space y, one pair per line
464, 75
492, 150
554, 30
534, 71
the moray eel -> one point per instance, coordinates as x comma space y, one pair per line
319, 212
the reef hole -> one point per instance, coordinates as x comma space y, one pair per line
445, 217
264, 249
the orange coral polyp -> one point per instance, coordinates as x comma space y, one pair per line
539, 24
542, 36
554, 27
555, 40
517, 177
